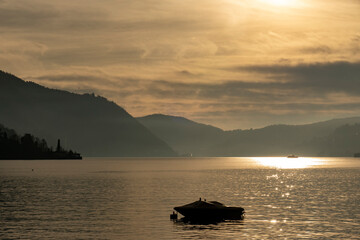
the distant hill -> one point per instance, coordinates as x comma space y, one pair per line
95, 126
277, 140
184, 136
280, 140
344, 141
90, 124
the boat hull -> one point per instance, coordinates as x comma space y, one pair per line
226, 213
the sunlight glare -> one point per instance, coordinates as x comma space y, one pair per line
283, 162
280, 2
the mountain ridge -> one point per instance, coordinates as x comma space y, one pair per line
277, 139
91, 124
181, 133
96, 126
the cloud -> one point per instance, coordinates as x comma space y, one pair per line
22, 17
92, 56
178, 57
328, 77
209, 102
94, 81
48, 18
114, 16
322, 49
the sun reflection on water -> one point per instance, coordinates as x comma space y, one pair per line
283, 162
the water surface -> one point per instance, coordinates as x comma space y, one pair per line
111, 198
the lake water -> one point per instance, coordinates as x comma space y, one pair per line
110, 198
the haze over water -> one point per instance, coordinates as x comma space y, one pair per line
112, 198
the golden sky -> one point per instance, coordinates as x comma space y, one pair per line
229, 63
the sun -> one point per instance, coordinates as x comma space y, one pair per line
280, 2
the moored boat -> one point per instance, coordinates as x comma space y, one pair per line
292, 156
208, 211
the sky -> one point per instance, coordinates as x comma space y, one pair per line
234, 64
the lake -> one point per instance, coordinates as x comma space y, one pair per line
118, 198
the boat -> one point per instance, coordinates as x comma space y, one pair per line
292, 156
210, 211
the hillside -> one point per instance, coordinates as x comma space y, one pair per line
95, 126
280, 140
183, 135
90, 124
344, 141
314, 139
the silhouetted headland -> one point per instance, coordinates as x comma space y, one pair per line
98, 127
28, 147
91, 124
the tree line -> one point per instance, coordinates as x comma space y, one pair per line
13, 146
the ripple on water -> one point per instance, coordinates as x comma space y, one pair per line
280, 203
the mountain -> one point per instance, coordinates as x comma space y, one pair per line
90, 124
280, 140
315, 139
344, 141
95, 126
183, 135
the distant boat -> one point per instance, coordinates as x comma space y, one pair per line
292, 156
210, 211
186, 155
356, 155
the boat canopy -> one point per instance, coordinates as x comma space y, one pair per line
203, 204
